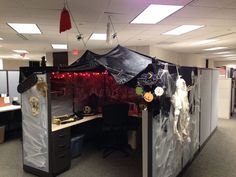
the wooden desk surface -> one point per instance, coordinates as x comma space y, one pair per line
85, 119
9, 108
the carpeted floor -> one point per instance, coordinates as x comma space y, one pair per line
89, 164
217, 159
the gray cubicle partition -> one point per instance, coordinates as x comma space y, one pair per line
8, 83
35, 129
209, 103
3, 80
167, 155
13, 81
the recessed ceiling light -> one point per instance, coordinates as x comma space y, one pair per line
154, 13
24, 28
20, 51
230, 55
183, 29
219, 53
59, 46
204, 41
98, 36
1, 39
215, 48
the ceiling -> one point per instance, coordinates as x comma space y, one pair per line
218, 16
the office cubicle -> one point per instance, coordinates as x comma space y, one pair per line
9, 81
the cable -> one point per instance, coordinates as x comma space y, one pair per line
66, 3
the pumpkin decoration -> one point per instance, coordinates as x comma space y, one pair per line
139, 90
148, 97
158, 91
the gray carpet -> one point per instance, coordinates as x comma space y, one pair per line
89, 164
218, 158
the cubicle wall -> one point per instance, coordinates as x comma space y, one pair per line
168, 156
3, 79
35, 130
209, 103
9, 81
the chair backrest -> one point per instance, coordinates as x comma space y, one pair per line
115, 114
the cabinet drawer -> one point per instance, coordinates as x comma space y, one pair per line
61, 162
61, 136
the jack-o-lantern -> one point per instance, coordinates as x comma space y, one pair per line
148, 97
87, 110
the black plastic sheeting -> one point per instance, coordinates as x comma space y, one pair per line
124, 64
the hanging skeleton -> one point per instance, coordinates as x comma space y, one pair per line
34, 104
181, 111
42, 86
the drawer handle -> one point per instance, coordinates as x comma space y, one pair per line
61, 136
62, 145
61, 156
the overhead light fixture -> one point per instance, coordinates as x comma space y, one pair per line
20, 51
215, 48
183, 29
98, 36
59, 46
220, 53
204, 41
154, 13
24, 28
1, 39
230, 55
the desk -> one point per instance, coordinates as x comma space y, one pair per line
11, 120
85, 119
9, 108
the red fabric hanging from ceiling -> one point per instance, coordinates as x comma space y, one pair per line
65, 23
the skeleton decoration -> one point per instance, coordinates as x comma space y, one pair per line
34, 104
181, 111
42, 86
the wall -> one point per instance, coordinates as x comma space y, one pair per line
182, 59
166, 55
9, 64
1, 64
225, 63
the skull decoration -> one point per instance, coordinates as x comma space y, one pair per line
42, 86
34, 103
87, 110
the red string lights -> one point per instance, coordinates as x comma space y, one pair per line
68, 75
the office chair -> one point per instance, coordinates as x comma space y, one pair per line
115, 121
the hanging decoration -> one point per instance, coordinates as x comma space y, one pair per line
148, 97
34, 104
181, 111
159, 91
42, 86
65, 23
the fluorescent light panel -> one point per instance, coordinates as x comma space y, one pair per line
24, 28
220, 53
98, 36
1, 39
215, 48
205, 41
20, 51
183, 29
154, 13
59, 46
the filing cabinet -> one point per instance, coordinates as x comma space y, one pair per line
61, 151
